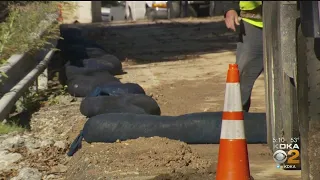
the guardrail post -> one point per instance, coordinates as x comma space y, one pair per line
42, 80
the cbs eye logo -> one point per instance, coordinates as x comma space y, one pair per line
280, 156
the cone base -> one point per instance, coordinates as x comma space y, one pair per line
233, 162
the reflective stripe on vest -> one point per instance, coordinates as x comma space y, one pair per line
251, 5
254, 22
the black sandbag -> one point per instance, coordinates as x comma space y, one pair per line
82, 41
95, 52
70, 33
74, 35
76, 66
73, 53
82, 85
116, 89
71, 71
90, 44
198, 128
74, 47
106, 61
125, 103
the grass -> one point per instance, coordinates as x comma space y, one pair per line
7, 128
20, 32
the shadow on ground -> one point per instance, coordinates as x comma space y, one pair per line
162, 41
181, 176
22, 119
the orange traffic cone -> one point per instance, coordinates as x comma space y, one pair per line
60, 18
233, 162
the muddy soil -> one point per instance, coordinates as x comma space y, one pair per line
142, 158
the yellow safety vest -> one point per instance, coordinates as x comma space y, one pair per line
250, 5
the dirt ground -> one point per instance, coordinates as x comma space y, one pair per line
182, 64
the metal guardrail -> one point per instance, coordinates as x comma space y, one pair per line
23, 69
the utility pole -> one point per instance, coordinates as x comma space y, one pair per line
185, 8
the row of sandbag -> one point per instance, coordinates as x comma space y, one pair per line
90, 73
123, 111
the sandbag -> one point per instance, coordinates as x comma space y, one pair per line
82, 85
195, 128
82, 41
74, 53
74, 46
125, 103
95, 52
75, 35
116, 89
108, 61
84, 66
71, 71
70, 33
198, 128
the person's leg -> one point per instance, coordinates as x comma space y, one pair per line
249, 59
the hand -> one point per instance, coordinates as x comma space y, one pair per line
231, 19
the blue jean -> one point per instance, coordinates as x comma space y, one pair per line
249, 58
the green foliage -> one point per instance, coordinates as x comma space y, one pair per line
7, 128
32, 99
20, 32
54, 98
